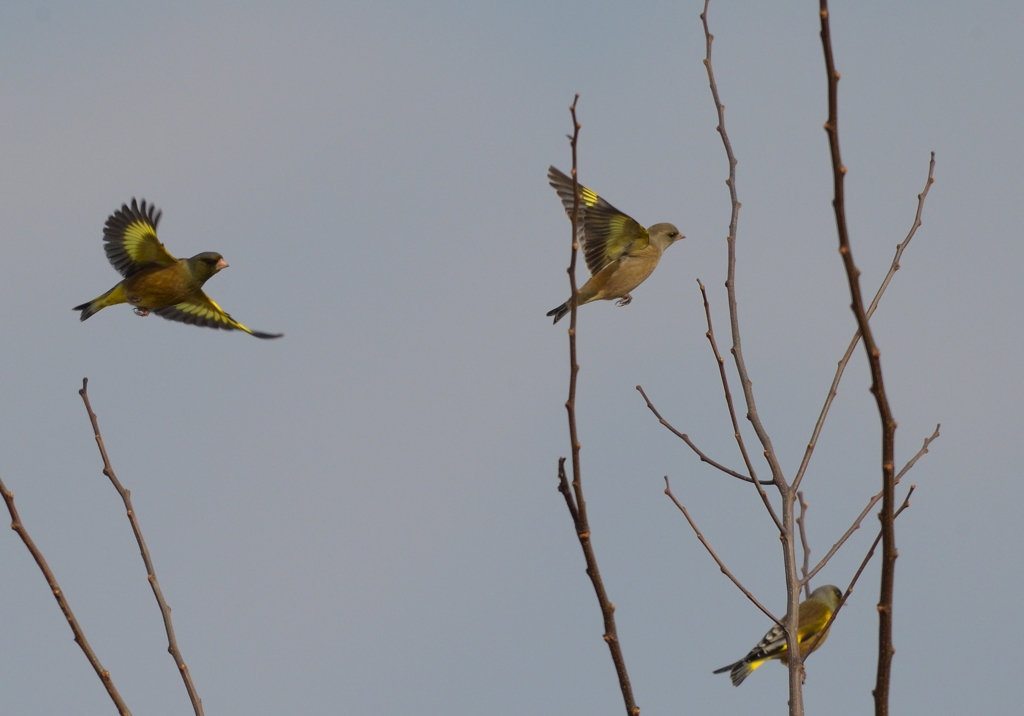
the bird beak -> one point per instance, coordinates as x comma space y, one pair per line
222, 264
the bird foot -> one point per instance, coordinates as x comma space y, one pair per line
624, 301
141, 311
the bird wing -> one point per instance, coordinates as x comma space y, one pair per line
605, 232
773, 643
130, 239
814, 615
201, 310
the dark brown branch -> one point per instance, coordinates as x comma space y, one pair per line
62, 602
574, 500
888, 423
165, 610
871, 503
710, 335
801, 522
714, 556
860, 570
893, 268
686, 439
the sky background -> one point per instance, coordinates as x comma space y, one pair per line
362, 517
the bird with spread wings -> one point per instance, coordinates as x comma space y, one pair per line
620, 253
155, 281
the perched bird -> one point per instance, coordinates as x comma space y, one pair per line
619, 252
814, 613
154, 281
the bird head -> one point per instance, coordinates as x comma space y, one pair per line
204, 265
829, 594
664, 235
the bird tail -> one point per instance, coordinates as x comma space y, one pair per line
112, 297
739, 671
558, 313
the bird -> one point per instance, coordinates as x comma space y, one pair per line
619, 252
154, 281
814, 614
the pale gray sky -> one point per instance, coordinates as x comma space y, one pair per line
362, 517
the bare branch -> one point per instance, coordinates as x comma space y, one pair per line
732, 412
893, 268
730, 283
801, 522
165, 610
686, 439
575, 502
62, 602
714, 556
919, 454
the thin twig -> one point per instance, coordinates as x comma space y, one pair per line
730, 283
893, 268
888, 422
62, 602
786, 532
860, 570
165, 610
686, 439
732, 411
919, 454
714, 556
801, 522
871, 503
574, 500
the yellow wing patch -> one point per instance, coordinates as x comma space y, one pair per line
605, 233
588, 197
130, 239
203, 311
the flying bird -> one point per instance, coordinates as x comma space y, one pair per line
154, 281
619, 252
814, 614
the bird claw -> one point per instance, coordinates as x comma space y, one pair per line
141, 311
624, 301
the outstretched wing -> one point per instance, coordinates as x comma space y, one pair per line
604, 232
130, 239
201, 310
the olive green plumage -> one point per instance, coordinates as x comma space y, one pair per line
154, 281
814, 614
619, 252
